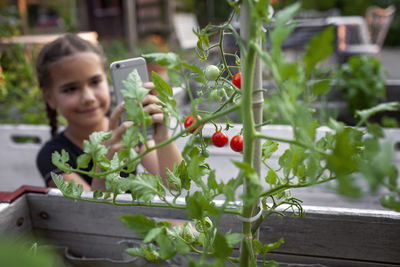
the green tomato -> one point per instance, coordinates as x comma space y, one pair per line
212, 72
216, 95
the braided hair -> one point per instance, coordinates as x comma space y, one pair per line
65, 45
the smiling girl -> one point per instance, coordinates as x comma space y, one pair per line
72, 76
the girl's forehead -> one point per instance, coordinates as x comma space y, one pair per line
90, 58
77, 66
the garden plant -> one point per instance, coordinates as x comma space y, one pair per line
346, 155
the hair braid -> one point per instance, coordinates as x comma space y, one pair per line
52, 115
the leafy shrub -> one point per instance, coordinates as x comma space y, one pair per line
361, 81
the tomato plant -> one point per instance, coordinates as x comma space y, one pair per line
189, 121
237, 143
342, 153
237, 80
219, 139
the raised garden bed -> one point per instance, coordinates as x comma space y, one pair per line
336, 231
92, 233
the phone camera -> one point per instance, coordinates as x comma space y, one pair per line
117, 66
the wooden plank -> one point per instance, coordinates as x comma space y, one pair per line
343, 234
87, 245
54, 212
351, 234
15, 218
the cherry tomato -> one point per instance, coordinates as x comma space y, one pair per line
189, 121
219, 139
237, 80
217, 94
212, 72
237, 143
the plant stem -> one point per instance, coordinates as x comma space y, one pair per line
286, 186
248, 26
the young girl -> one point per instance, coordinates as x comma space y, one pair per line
72, 75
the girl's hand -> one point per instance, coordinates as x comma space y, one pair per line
150, 105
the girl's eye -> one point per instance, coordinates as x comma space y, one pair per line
95, 81
69, 89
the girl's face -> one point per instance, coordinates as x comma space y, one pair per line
79, 89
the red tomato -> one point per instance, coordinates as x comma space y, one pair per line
237, 143
189, 121
237, 80
219, 139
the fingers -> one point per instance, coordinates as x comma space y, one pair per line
151, 87
115, 115
150, 99
118, 132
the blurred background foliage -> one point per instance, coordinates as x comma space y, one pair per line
353, 8
20, 98
220, 10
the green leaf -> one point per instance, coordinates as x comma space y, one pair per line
61, 160
196, 167
97, 194
169, 60
131, 137
143, 187
83, 161
134, 88
149, 252
268, 148
174, 77
167, 250
69, 189
271, 177
258, 246
366, 113
390, 202
272, 246
221, 246
152, 234
138, 223
233, 238
321, 87
94, 145
163, 88
194, 209
320, 47
283, 16
199, 206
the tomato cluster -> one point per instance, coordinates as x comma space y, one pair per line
220, 139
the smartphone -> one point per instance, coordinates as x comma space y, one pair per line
119, 72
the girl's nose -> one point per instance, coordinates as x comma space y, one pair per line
88, 95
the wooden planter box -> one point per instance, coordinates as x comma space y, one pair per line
92, 233
335, 231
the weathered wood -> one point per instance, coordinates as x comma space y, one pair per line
15, 218
343, 236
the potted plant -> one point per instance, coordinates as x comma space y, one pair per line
343, 154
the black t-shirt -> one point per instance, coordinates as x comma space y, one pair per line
58, 143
